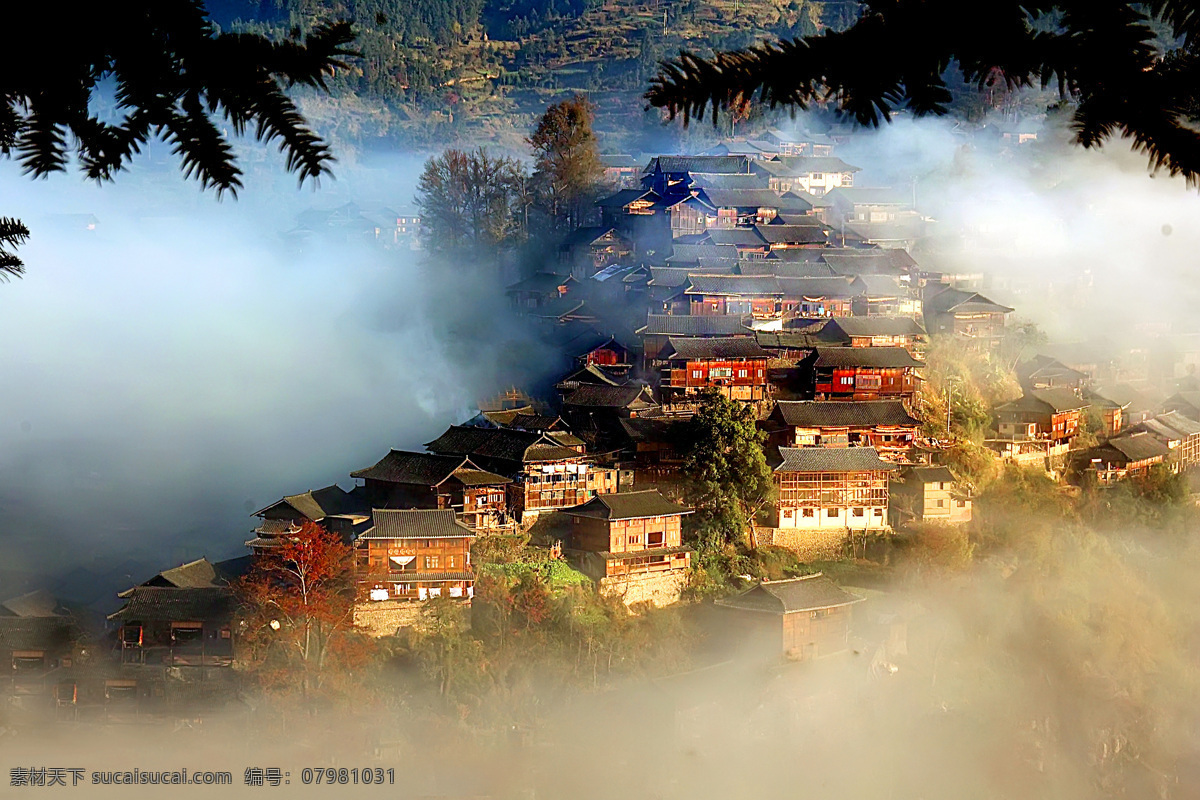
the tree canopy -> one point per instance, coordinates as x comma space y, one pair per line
727, 475
566, 162
1103, 56
173, 76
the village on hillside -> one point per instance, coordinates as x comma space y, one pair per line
768, 277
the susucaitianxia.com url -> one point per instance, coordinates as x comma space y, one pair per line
37, 777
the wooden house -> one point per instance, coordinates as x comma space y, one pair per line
870, 261
862, 373
603, 351
620, 169
173, 626
631, 544
1051, 414
876, 331
659, 328
37, 637
415, 554
652, 443
930, 494
1115, 413
839, 488
851, 204
1129, 454
1185, 403
333, 508
616, 402
813, 174
767, 297
800, 619
586, 251
800, 143
968, 314
797, 233
735, 366
404, 479
540, 291
884, 425
1180, 434
629, 211
545, 474
666, 174
1044, 372
750, 148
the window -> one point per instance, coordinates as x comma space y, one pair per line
450, 562
696, 373
832, 512
806, 512
878, 512
654, 539
432, 562
859, 512
741, 373
941, 503
961, 503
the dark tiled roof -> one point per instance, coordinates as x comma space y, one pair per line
540, 283
738, 237
870, 196
788, 339
878, 326
316, 504
193, 575
650, 429
592, 374
929, 474
816, 233
786, 269
671, 277
831, 459
876, 357
1038, 400
585, 235
675, 164
625, 197
881, 286
501, 443
839, 414
951, 300
435, 523
689, 253
699, 325
592, 396
36, 633
536, 422
743, 198
402, 466
479, 477
809, 593
1134, 447
858, 261
1178, 422
1191, 399
38, 603
759, 285
726, 180
817, 287
809, 165
180, 605
628, 505
712, 348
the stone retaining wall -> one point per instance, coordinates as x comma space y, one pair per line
807, 543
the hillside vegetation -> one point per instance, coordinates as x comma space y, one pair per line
437, 71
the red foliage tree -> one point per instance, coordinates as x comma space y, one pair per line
298, 600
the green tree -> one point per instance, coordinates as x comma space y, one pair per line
567, 165
1103, 57
174, 77
470, 202
727, 477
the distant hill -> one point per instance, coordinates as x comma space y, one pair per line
438, 71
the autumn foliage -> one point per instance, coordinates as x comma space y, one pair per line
298, 610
